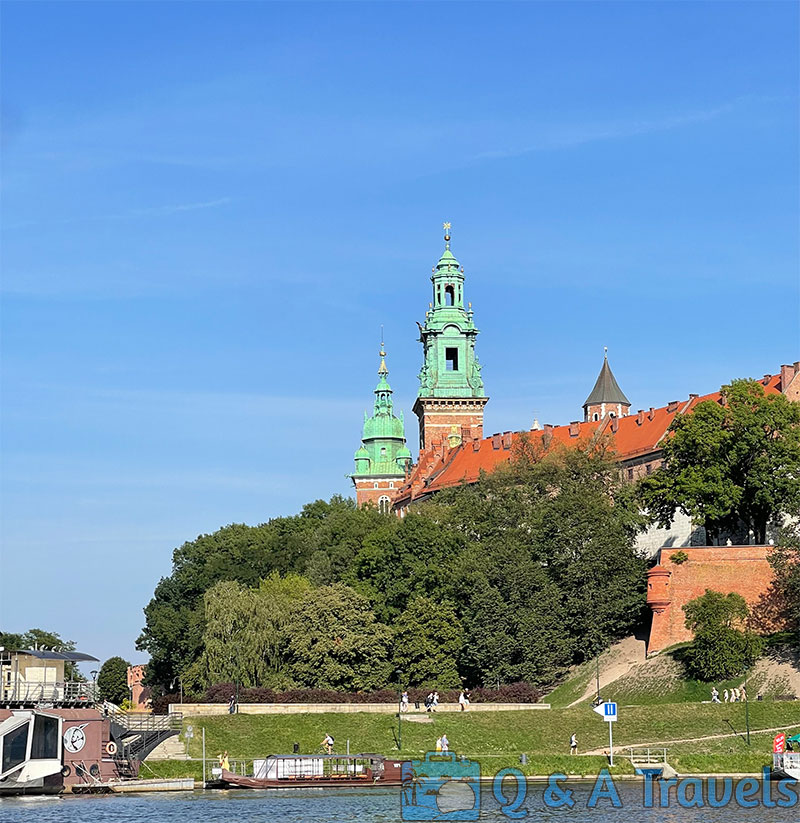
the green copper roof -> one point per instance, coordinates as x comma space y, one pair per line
383, 442
450, 367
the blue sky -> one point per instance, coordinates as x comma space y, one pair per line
209, 210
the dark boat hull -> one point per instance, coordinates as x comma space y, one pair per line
229, 780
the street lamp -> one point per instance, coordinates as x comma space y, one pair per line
93, 674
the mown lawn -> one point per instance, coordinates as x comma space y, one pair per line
500, 735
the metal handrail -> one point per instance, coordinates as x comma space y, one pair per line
643, 756
48, 691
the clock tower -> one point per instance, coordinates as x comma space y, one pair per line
451, 395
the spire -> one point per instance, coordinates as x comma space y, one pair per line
383, 391
606, 389
447, 260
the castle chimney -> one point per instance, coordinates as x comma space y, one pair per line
497, 440
640, 417
787, 375
507, 437
672, 406
614, 424
574, 428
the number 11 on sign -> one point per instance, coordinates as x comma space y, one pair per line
608, 711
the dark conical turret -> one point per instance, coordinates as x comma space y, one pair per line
606, 398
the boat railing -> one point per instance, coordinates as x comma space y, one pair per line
41, 692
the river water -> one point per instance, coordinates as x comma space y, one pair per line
381, 806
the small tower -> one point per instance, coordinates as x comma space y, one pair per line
606, 398
451, 390
383, 458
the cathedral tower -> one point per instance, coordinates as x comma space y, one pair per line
606, 398
451, 396
383, 458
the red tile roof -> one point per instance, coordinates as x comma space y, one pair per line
636, 435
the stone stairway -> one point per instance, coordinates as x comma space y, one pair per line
173, 748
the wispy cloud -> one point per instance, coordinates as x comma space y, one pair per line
562, 137
160, 211
149, 211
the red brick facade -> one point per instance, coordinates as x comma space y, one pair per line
377, 489
438, 415
672, 583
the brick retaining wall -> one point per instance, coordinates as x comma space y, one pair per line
199, 709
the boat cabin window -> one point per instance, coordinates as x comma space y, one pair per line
45, 738
15, 747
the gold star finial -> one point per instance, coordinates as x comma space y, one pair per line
446, 227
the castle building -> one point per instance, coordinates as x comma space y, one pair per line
383, 458
451, 398
606, 398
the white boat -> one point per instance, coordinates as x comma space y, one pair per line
786, 765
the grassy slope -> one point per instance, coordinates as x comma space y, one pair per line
497, 738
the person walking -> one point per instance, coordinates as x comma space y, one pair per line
429, 701
327, 743
232, 705
445, 744
573, 744
438, 745
714, 694
435, 703
404, 702
726, 696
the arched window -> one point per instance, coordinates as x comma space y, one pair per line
612, 414
383, 452
595, 416
391, 484
375, 486
384, 504
449, 295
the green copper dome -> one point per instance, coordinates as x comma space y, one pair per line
383, 449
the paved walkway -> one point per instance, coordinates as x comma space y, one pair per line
662, 743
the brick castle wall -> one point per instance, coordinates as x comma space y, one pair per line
740, 569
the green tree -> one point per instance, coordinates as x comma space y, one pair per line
427, 642
785, 562
321, 542
245, 635
728, 465
721, 648
112, 680
336, 643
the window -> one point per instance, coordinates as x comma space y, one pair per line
630, 474
649, 468
384, 504
375, 486
45, 737
595, 416
449, 295
391, 484
611, 414
15, 747
451, 359
383, 452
